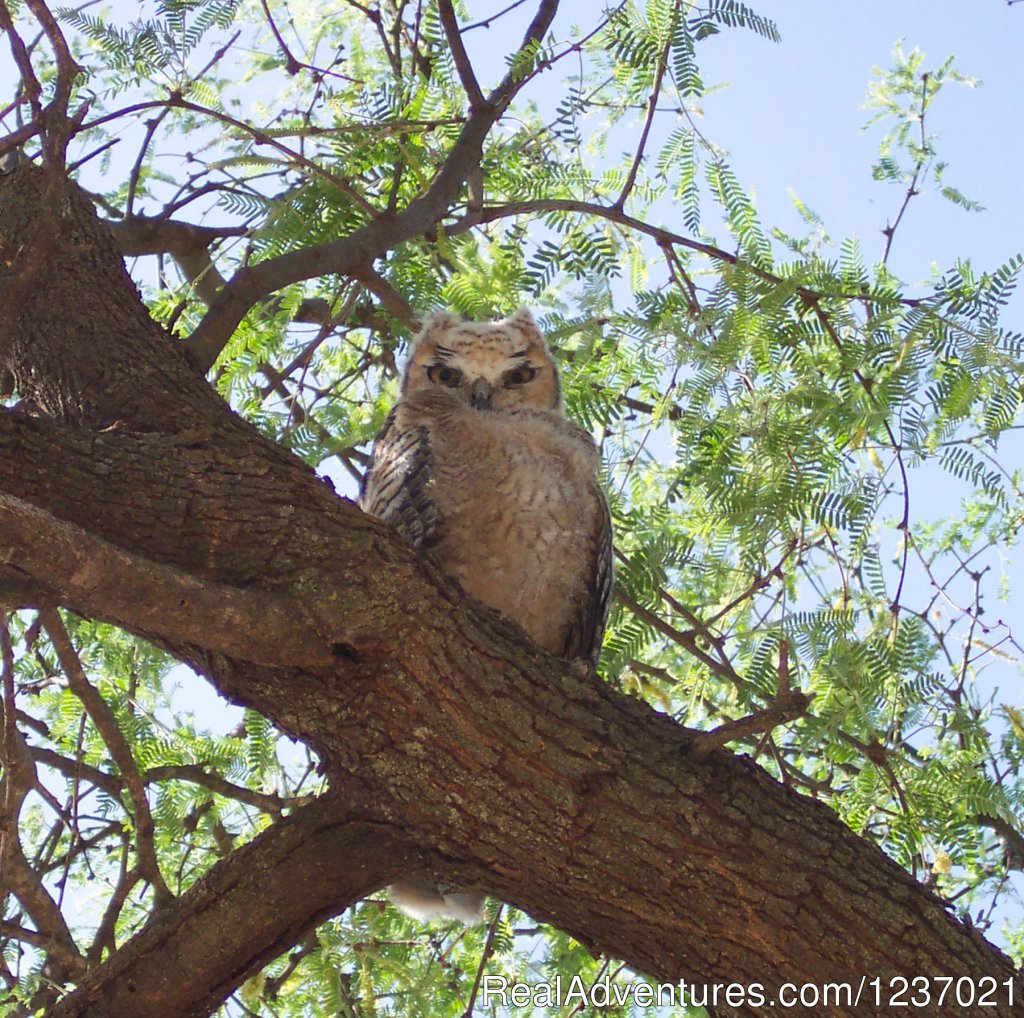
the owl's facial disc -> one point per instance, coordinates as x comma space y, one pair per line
499, 367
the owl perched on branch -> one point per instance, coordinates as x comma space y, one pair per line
478, 463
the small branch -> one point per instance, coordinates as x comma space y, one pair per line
394, 303
659, 234
287, 880
186, 243
264, 801
70, 961
30, 86
687, 640
912, 191
373, 240
652, 106
1012, 838
133, 178
106, 724
16, 778
78, 769
85, 845
486, 23
485, 957
459, 55
785, 708
814, 303
104, 941
756, 585
292, 64
113, 784
261, 137
299, 953
58, 126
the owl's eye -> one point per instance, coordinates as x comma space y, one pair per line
441, 374
519, 376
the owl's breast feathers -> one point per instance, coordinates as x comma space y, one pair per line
510, 504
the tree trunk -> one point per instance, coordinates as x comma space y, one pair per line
131, 493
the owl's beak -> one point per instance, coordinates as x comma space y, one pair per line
480, 393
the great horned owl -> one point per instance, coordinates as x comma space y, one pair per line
478, 463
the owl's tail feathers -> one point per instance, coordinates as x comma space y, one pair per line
425, 901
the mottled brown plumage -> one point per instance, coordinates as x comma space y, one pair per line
478, 463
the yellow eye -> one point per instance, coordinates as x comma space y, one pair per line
519, 376
441, 374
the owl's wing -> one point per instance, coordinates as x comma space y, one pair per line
592, 614
396, 486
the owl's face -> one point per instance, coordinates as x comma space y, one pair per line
501, 366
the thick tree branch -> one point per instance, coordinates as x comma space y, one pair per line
246, 624
193, 953
187, 244
597, 755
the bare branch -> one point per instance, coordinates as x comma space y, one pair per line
786, 707
127, 880
106, 724
462, 64
487, 22
264, 801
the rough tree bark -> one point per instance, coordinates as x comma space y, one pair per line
129, 492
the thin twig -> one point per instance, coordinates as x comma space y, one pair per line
106, 724
485, 956
912, 191
486, 22
652, 105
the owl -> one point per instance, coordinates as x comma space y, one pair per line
478, 463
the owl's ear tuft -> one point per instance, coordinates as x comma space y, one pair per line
438, 322
525, 323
